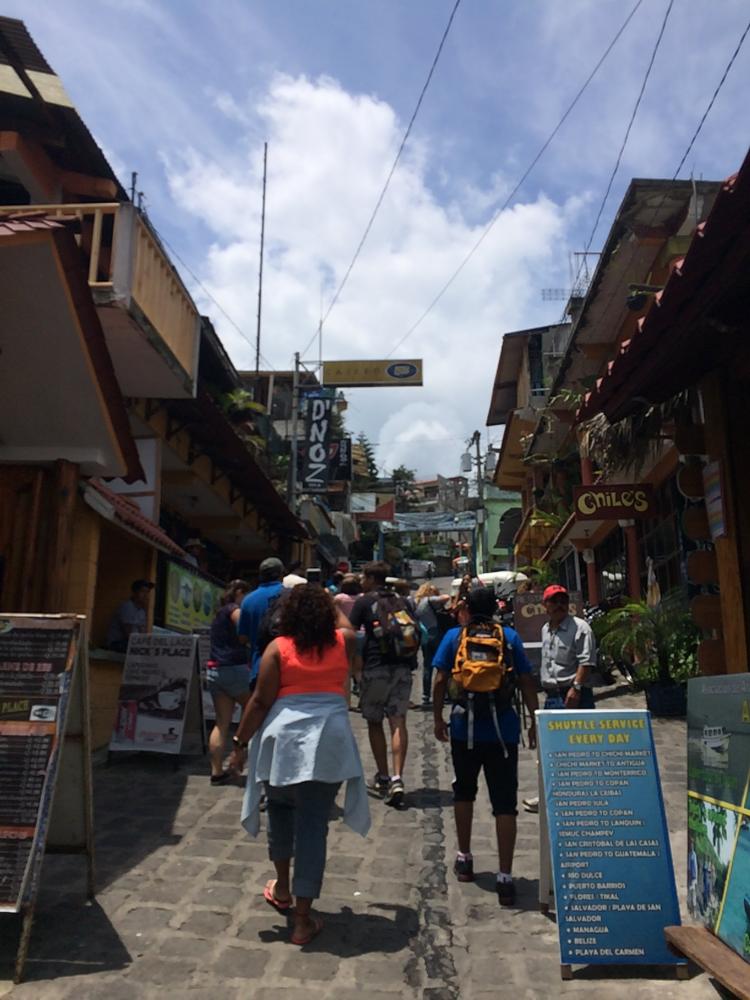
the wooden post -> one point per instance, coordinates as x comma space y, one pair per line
65, 491
633, 560
731, 586
27, 919
592, 577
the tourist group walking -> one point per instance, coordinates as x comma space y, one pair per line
298, 657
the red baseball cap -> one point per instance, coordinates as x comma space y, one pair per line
553, 590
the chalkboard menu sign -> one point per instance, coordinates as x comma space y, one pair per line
36, 662
611, 860
45, 756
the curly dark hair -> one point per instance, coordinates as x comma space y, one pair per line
308, 615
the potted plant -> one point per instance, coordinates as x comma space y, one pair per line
240, 406
661, 645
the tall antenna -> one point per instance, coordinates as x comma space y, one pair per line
260, 270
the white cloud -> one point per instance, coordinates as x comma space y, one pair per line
329, 152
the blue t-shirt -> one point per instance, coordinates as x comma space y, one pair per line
252, 609
484, 729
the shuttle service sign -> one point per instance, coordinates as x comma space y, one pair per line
614, 883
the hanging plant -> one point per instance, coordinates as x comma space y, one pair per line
628, 444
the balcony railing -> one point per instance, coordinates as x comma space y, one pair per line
127, 267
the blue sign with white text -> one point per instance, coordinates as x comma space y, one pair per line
614, 881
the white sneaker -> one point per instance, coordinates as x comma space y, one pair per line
531, 805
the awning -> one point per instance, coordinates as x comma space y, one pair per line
123, 512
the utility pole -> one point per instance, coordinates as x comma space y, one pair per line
476, 440
292, 497
260, 270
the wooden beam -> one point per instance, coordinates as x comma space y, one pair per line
64, 496
34, 168
597, 350
90, 187
179, 477
702, 947
206, 522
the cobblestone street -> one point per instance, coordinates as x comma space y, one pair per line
179, 911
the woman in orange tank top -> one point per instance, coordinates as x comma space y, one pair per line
303, 750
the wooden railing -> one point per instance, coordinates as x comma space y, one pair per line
124, 255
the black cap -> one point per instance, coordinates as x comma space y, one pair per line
141, 585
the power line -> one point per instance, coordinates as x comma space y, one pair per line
715, 94
615, 293
625, 138
523, 178
391, 172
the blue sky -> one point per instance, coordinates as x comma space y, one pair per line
186, 92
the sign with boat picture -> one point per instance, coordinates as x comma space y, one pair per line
719, 807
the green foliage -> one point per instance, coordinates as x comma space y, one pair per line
541, 574
403, 476
661, 642
372, 465
570, 398
240, 401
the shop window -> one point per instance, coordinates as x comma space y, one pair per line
567, 571
659, 539
610, 561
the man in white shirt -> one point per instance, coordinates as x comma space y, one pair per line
568, 657
131, 616
568, 653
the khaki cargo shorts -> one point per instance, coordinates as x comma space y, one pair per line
385, 691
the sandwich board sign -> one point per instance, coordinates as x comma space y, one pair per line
608, 840
46, 800
159, 707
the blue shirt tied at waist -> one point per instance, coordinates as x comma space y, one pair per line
306, 737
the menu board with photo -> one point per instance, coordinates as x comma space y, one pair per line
609, 844
718, 859
159, 705
36, 665
191, 600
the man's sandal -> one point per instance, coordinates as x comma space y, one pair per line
313, 933
269, 894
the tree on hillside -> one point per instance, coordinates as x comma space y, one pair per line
403, 481
368, 452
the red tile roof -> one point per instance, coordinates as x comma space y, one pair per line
128, 513
10, 225
671, 348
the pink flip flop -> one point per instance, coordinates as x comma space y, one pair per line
313, 933
269, 890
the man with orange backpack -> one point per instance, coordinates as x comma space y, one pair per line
481, 665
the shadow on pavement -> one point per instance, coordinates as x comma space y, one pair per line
135, 802
428, 798
527, 890
349, 934
69, 938
658, 972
